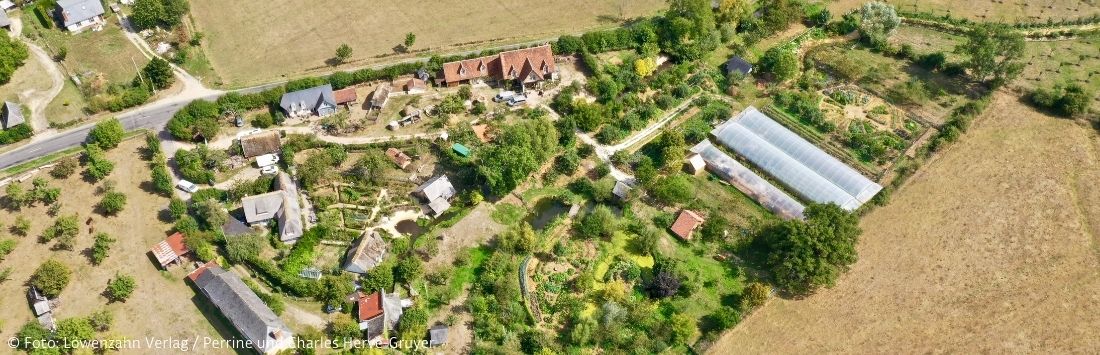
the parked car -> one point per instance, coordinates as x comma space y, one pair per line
267, 160
269, 170
239, 121
504, 96
517, 100
187, 186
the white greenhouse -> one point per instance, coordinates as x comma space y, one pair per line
748, 182
797, 163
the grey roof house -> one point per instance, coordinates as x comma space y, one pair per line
249, 315
281, 205
12, 115
4, 20
737, 65
437, 194
78, 15
366, 253
313, 101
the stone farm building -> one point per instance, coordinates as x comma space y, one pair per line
366, 253
528, 67
78, 15
318, 101
253, 319
281, 204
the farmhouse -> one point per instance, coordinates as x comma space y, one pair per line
12, 115
318, 101
282, 205
398, 157
411, 86
258, 144
737, 66
437, 194
366, 253
526, 67
686, 223
78, 15
797, 163
170, 250
244, 310
377, 313
346, 97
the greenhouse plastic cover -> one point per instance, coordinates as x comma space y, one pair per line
797, 163
743, 179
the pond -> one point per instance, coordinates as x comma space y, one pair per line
546, 211
409, 227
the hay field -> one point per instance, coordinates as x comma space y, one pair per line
253, 41
992, 248
162, 305
988, 10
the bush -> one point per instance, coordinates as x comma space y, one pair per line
101, 247
121, 287
263, 120
97, 167
1069, 100
16, 134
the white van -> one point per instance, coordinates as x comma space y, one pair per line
504, 96
267, 160
187, 186
517, 100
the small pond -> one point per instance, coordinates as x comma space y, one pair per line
546, 211
409, 227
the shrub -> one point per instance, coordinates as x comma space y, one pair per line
51, 277
113, 202
121, 287
64, 168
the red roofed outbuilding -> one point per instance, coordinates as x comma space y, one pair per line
169, 250
686, 223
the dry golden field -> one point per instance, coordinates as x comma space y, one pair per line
254, 41
990, 248
987, 10
162, 305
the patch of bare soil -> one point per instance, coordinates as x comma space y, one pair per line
991, 248
162, 305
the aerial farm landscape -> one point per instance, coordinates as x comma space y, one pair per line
555, 177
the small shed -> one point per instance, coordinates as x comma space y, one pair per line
380, 96
737, 65
461, 149
621, 191
346, 96
398, 157
695, 164
12, 115
437, 335
686, 223
311, 273
4, 20
169, 250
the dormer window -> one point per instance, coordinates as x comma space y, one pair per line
462, 70
512, 72
481, 67
545, 68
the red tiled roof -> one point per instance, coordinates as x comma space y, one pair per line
521, 63
170, 249
370, 306
344, 96
176, 242
398, 157
194, 275
686, 223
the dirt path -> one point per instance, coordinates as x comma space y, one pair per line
38, 101
991, 248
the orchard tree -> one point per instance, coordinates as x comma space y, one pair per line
343, 53
64, 168
520, 239
51, 277
64, 229
22, 226
101, 248
877, 21
410, 39
13, 54
97, 167
107, 134
755, 295
995, 53
112, 203
599, 223
74, 330
119, 289
16, 196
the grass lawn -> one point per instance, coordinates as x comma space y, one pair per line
291, 44
1050, 63
107, 51
717, 282
508, 214
67, 107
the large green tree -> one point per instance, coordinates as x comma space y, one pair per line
877, 21
51, 277
107, 133
805, 255
689, 30
994, 52
158, 13
780, 62
12, 56
521, 149
159, 73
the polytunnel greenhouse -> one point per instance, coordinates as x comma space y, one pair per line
743, 179
806, 169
